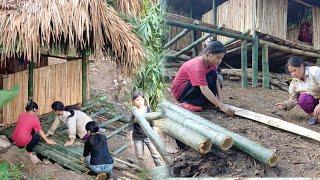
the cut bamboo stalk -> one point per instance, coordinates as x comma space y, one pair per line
107, 123
191, 138
128, 164
217, 138
120, 150
249, 147
93, 103
153, 116
119, 130
99, 112
244, 64
265, 67
155, 139
275, 122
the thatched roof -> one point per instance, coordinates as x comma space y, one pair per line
27, 26
132, 7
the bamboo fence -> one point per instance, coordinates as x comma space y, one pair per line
316, 27
11, 111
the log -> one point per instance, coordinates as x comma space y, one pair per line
275, 122
155, 139
249, 147
217, 138
191, 138
128, 164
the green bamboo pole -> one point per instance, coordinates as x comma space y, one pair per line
197, 27
30, 80
188, 136
153, 116
255, 58
234, 39
155, 139
192, 45
318, 62
177, 38
107, 123
119, 130
120, 150
214, 15
265, 67
93, 102
244, 64
217, 138
84, 76
99, 112
249, 147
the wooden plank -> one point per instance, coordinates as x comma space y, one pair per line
275, 122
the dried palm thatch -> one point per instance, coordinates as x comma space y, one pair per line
132, 7
28, 26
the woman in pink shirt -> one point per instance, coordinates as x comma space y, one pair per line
28, 130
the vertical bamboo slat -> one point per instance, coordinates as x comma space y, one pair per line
316, 27
12, 110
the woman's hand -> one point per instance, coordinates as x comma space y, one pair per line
69, 143
280, 106
224, 108
316, 111
50, 141
82, 159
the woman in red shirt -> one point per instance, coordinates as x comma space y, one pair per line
28, 130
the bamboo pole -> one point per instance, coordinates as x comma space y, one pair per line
192, 45
153, 116
186, 135
255, 58
318, 62
235, 39
30, 80
249, 147
217, 138
278, 123
244, 64
94, 102
84, 76
107, 123
265, 67
99, 112
155, 139
289, 49
119, 130
128, 164
177, 38
201, 28
120, 150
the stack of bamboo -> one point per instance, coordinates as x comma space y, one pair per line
199, 133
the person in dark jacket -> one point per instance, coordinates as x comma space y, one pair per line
96, 152
139, 137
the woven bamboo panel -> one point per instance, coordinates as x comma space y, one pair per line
272, 17
233, 14
59, 82
11, 111
316, 27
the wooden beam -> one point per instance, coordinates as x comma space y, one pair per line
289, 49
265, 67
275, 122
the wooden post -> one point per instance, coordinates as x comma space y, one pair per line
265, 67
155, 139
214, 15
244, 64
84, 76
177, 38
255, 58
30, 80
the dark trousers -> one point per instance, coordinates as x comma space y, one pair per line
193, 95
34, 141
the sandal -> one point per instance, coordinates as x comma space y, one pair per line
313, 121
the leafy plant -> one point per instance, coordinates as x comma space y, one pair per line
152, 32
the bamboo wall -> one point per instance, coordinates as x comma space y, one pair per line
233, 14
60, 82
11, 111
292, 35
316, 27
238, 15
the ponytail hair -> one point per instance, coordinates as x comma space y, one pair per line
31, 105
59, 106
297, 61
214, 47
96, 139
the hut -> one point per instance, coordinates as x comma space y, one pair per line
44, 48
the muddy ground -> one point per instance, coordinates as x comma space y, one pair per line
298, 156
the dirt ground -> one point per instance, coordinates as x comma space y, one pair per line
298, 156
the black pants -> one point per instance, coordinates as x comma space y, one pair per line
34, 141
193, 95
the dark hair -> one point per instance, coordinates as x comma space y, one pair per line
214, 47
59, 106
296, 61
31, 105
96, 139
136, 94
